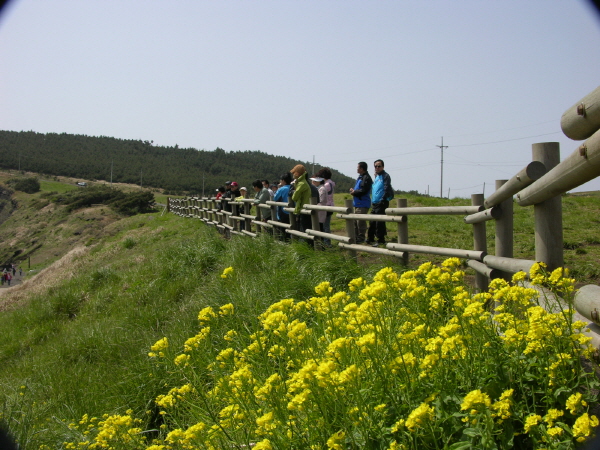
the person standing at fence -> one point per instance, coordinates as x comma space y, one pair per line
267, 186
381, 194
282, 195
319, 183
226, 196
301, 196
362, 199
261, 197
325, 173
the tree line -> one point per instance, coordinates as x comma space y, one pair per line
177, 170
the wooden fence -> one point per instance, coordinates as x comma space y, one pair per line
540, 184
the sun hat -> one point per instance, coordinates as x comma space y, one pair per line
243, 188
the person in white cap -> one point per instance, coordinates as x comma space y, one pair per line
319, 182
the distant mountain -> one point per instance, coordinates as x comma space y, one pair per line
177, 170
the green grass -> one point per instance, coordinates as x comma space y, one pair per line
56, 186
80, 347
80, 344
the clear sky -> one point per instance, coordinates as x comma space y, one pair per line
340, 81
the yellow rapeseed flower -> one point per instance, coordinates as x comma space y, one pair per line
583, 426
228, 271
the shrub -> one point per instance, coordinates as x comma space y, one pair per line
28, 185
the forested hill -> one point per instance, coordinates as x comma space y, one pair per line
177, 170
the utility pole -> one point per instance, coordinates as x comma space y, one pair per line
442, 147
141, 173
111, 169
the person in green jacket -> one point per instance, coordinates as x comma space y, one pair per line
301, 196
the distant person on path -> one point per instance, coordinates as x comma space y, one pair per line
8, 277
382, 193
261, 197
362, 199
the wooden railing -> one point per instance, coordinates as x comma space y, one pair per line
539, 184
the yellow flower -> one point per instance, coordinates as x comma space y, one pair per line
575, 402
335, 440
159, 346
265, 444
323, 288
583, 426
206, 314
474, 399
418, 417
182, 359
226, 310
228, 271
531, 421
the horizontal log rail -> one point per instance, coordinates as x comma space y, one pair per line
484, 216
533, 171
450, 252
582, 119
375, 250
434, 210
578, 168
372, 217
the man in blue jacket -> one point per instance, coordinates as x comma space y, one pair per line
362, 199
381, 194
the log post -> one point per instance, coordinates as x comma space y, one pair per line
351, 228
480, 243
505, 229
293, 222
403, 229
277, 232
314, 219
548, 214
235, 212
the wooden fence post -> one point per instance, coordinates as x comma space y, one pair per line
548, 214
314, 219
480, 243
350, 227
293, 222
505, 229
403, 229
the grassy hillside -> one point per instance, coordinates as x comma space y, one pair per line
90, 350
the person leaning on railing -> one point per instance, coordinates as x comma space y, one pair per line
301, 196
361, 201
282, 195
261, 197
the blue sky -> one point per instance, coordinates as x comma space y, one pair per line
337, 81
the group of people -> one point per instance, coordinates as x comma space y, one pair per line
8, 274
375, 195
297, 187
